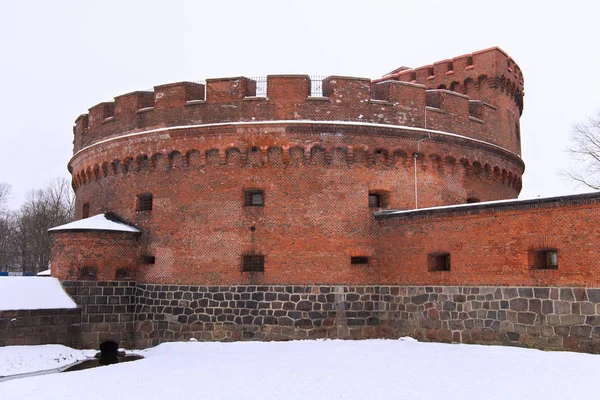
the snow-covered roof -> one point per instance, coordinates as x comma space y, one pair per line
32, 293
491, 204
45, 272
98, 222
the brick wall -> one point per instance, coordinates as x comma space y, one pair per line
494, 244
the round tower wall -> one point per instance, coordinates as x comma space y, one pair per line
316, 180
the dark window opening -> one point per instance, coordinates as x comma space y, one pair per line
88, 273
544, 259
439, 262
430, 71
254, 149
374, 200
85, 211
359, 260
146, 259
253, 263
144, 202
378, 199
254, 197
123, 274
450, 66
472, 200
469, 61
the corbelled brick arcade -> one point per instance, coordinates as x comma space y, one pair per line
206, 211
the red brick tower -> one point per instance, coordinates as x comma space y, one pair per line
227, 187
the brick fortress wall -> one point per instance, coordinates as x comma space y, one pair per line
196, 148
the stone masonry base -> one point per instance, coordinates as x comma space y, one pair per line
142, 315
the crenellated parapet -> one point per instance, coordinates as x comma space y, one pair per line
481, 75
435, 102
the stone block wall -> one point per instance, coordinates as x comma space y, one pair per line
35, 327
227, 313
107, 311
143, 315
540, 317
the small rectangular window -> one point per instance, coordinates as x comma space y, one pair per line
85, 211
439, 262
544, 259
374, 200
359, 260
144, 202
253, 263
254, 197
88, 273
146, 259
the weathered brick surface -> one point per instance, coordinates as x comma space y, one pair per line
196, 147
492, 245
35, 327
106, 252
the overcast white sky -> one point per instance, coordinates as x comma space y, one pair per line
58, 58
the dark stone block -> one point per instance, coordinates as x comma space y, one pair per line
547, 307
325, 289
526, 318
459, 298
525, 292
182, 319
420, 299
504, 304
582, 331
593, 295
449, 306
304, 306
270, 296
513, 336
566, 294
352, 297
285, 321
283, 297
356, 322
580, 294
258, 296
251, 304
593, 320
562, 330
519, 304
535, 305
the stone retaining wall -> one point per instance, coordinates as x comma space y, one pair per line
107, 309
143, 315
543, 318
34, 327
226, 313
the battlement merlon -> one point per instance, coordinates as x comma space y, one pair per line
395, 100
465, 73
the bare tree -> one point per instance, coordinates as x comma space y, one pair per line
42, 210
8, 248
5, 190
586, 150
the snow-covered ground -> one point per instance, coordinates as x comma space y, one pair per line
15, 360
32, 293
331, 369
